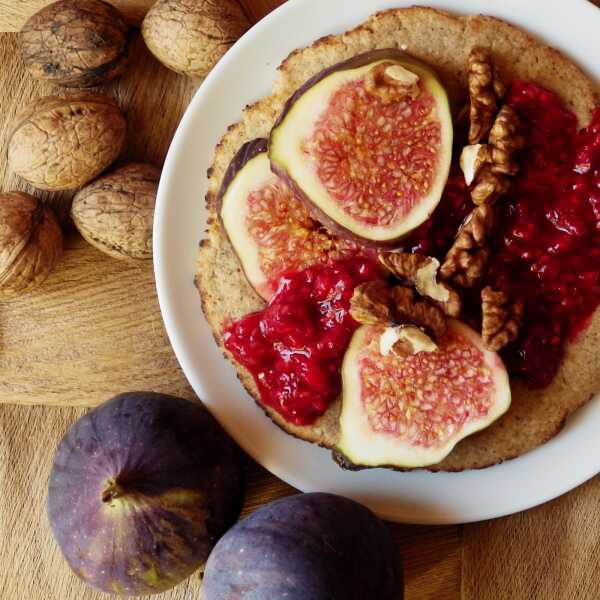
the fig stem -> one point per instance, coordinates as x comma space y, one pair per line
112, 491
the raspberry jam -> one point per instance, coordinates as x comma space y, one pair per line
294, 347
435, 235
547, 250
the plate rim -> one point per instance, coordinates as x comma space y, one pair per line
164, 251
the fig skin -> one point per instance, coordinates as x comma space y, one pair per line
75, 43
316, 212
140, 490
306, 547
246, 153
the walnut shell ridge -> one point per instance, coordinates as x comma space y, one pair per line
190, 36
61, 143
31, 243
115, 213
75, 43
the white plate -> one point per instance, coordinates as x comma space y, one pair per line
244, 75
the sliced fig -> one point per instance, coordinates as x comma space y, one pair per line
410, 410
269, 228
367, 145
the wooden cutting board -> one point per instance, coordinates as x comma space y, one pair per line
13, 13
94, 330
32, 567
94, 327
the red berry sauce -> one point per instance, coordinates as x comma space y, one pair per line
548, 251
294, 347
435, 235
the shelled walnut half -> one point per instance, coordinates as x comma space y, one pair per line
466, 259
501, 320
371, 303
391, 82
488, 167
409, 320
485, 89
377, 303
420, 272
505, 140
404, 340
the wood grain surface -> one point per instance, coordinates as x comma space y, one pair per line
549, 552
13, 13
257, 9
32, 567
94, 329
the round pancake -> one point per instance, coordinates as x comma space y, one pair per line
444, 41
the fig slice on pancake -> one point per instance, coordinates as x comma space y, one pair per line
269, 228
442, 41
409, 410
367, 145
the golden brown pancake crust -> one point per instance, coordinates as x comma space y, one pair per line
443, 41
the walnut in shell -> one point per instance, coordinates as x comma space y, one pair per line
31, 243
190, 36
75, 43
62, 143
115, 213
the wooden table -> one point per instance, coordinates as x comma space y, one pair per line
94, 329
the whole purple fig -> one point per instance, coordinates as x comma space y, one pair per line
305, 547
141, 489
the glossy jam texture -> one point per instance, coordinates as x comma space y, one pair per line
294, 347
546, 252
549, 249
